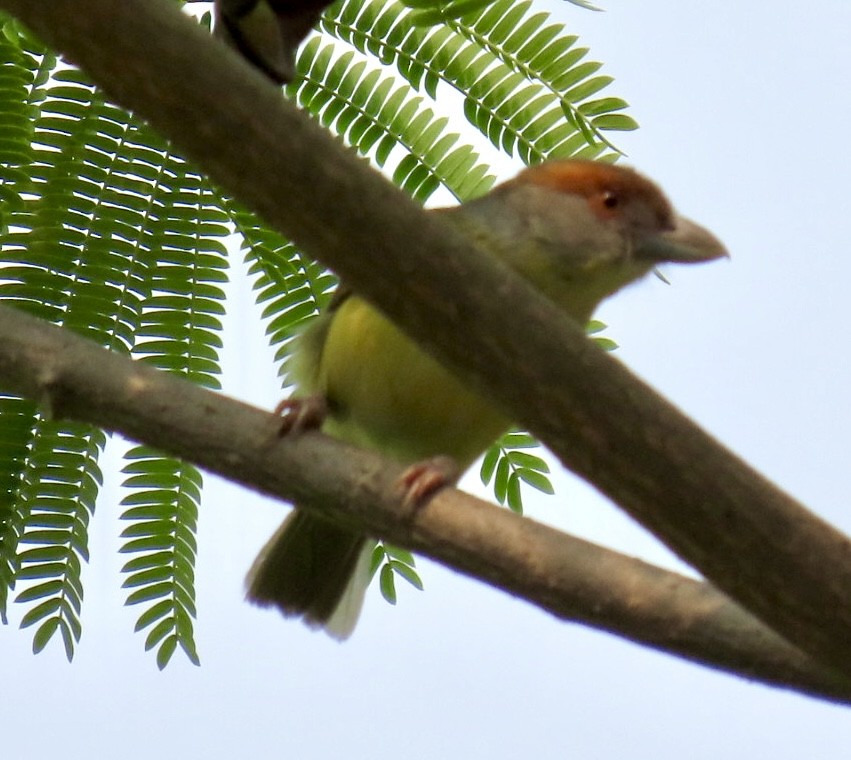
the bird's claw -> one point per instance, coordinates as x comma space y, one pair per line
422, 479
300, 414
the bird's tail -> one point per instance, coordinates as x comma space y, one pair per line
314, 569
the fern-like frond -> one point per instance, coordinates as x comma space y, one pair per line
391, 562
109, 233
16, 126
526, 85
163, 516
178, 331
429, 12
509, 464
57, 495
539, 51
376, 114
55, 265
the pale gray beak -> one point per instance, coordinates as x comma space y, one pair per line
687, 243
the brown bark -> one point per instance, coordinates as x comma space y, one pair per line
573, 579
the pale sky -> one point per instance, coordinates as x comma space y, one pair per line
745, 111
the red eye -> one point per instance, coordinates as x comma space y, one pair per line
611, 200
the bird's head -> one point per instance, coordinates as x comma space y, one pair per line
581, 230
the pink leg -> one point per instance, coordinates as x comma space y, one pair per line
299, 414
423, 479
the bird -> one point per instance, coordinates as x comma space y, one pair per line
578, 231
268, 32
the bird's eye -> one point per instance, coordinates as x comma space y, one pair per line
610, 199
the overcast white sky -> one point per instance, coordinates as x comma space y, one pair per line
745, 111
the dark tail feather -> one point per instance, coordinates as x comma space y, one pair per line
305, 570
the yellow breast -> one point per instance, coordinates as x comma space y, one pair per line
388, 394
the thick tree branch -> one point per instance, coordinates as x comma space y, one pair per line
575, 580
753, 541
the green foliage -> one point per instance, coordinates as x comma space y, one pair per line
509, 463
391, 562
594, 328
105, 230
163, 516
433, 11
525, 85
109, 233
376, 114
56, 497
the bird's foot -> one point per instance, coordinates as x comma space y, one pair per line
423, 479
300, 414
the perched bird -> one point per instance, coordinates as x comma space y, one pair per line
268, 32
578, 231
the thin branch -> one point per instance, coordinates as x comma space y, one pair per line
573, 579
753, 541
